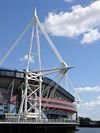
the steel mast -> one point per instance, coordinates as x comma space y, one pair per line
39, 62
30, 106
31, 101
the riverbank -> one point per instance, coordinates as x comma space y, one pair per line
87, 122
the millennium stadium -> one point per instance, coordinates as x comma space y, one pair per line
33, 96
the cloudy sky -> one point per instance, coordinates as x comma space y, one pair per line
74, 27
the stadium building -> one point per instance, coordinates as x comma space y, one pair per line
56, 102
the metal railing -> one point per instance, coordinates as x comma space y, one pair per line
42, 121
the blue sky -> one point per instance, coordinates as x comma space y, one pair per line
74, 27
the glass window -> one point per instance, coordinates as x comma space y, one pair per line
8, 73
18, 74
11, 73
22, 75
3, 73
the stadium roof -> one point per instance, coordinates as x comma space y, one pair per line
6, 76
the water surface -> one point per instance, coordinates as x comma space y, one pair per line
86, 130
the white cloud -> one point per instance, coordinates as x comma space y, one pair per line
92, 104
98, 97
25, 58
68, 1
81, 20
91, 36
87, 89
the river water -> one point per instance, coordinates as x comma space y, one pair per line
85, 130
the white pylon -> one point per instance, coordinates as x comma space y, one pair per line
31, 101
30, 106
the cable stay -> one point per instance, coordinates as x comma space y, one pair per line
77, 97
15, 44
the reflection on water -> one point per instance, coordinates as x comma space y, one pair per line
85, 130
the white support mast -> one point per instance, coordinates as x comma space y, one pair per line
30, 106
31, 102
39, 62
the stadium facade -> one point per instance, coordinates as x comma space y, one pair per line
56, 102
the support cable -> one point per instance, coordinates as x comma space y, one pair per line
79, 100
14, 44
51, 44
